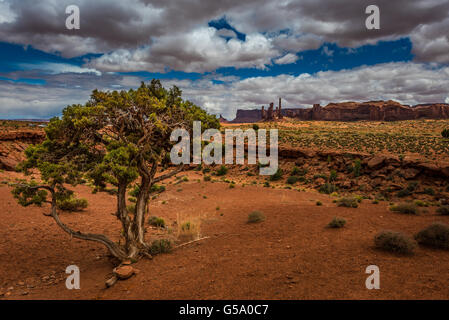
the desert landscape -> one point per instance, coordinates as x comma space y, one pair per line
222, 159
357, 172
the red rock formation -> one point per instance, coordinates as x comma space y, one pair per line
353, 111
13, 145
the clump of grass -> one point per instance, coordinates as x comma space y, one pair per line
222, 171
347, 202
277, 175
443, 210
337, 223
207, 178
292, 179
436, 235
156, 222
160, 246
255, 127
405, 208
256, 216
319, 203
395, 242
327, 188
188, 228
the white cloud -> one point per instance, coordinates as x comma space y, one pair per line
56, 68
288, 58
200, 50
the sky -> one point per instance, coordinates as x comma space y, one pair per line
224, 55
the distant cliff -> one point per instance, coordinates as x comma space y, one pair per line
353, 111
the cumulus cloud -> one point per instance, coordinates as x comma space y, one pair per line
154, 34
288, 58
203, 49
408, 83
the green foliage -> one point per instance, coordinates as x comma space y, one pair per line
436, 235
327, 188
156, 222
71, 204
111, 139
411, 187
357, 167
161, 246
445, 133
255, 127
332, 176
222, 171
319, 203
429, 191
27, 194
348, 202
292, 179
337, 223
395, 242
406, 208
443, 210
277, 175
256, 216
207, 178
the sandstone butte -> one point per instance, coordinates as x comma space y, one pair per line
354, 111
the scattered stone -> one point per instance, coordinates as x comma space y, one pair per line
376, 162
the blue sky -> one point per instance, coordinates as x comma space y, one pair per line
223, 57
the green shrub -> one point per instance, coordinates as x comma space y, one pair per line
256, 216
156, 222
327, 188
337, 223
406, 208
394, 242
332, 176
436, 235
222, 171
429, 191
71, 204
445, 133
255, 127
347, 202
292, 179
207, 178
206, 170
443, 210
357, 168
277, 175
160, 246
319, 203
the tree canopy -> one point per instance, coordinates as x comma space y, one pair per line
116, 138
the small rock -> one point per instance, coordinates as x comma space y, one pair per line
10, 289
24, 293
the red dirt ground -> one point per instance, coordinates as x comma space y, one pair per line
291, 255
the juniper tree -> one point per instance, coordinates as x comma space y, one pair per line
117, 138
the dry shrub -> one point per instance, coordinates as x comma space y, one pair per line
435, 235
189, 228
406, 208
394, 242
256, 216
337, 223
